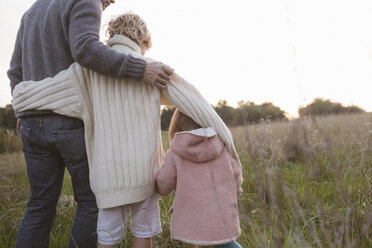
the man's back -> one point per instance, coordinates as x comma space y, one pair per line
44, 39
55, 33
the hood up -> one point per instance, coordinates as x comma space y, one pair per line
199, 145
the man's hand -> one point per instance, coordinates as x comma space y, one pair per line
157, 74
19, 121
106, 3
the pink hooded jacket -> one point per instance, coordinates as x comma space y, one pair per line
208, 181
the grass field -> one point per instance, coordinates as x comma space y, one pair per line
307, 183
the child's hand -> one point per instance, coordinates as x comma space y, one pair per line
166, 179
237, 170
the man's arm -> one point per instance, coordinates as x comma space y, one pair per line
88, 51
15, 71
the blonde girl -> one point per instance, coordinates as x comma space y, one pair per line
145, 219
207, 181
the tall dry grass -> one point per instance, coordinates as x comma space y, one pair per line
307, 183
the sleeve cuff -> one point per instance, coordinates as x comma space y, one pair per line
135, 67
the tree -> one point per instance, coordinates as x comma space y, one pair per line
7, 117
320, 106
249, 112
272, 112
353, 109
225, 111
166, 116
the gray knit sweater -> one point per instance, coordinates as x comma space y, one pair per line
55, 33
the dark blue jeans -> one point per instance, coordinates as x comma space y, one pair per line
233, 244
51, 144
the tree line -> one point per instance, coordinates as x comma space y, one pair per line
245, 113
251, 113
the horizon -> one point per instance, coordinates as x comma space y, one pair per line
267, 51
286, 114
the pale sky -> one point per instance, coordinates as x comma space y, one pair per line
287, 52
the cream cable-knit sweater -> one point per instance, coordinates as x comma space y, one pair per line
122, 122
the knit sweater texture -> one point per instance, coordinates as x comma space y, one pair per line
122, 122
53, 34
207, 181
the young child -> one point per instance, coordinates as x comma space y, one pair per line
207, 181
145, 218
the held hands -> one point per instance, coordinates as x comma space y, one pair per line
157, 74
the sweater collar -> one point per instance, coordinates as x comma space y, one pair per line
118, 39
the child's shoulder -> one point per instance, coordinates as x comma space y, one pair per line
169, 153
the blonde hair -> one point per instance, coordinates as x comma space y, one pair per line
181, 122
132, 26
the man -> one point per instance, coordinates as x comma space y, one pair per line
53, 35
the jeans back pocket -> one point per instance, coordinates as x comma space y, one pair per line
71, 144
25, 133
